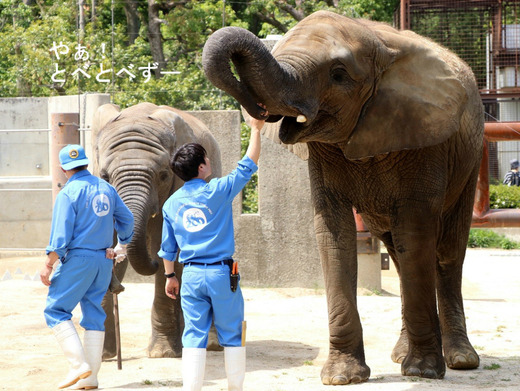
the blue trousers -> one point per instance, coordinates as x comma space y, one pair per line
80, 279
206, 296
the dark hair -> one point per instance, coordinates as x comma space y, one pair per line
79, 168
514, 163
187, 159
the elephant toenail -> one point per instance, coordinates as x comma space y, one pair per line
339, 380
430, 374
412, 371
457, 360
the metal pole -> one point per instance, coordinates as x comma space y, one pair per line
64, 131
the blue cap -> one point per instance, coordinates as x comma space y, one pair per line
72, 156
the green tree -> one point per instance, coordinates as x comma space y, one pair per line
130, 48
168, 35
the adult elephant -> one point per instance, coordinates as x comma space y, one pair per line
132, 150
392, 125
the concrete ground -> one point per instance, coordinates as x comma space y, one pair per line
287, 335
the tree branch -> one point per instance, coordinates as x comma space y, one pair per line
295, 13
332, 3
272, 21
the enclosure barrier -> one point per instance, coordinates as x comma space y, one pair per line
483, 216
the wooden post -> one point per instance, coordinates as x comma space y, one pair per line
64, 131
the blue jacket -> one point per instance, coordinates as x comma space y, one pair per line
84, 216
198, 218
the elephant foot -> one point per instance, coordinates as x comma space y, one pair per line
400, 350
109, 347
108, 353
161, 347
341, 369
213, 343
460, 354
421, 364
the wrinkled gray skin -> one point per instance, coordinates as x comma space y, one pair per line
394, 128
132, 149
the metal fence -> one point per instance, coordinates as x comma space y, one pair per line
485, 34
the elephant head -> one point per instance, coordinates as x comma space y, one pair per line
333, 78
132, 151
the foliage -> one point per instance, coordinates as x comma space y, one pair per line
28, 33
484, 238
250, 193
504, 197
44, 52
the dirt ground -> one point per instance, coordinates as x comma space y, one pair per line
287, 335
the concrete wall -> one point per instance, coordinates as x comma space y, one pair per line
25, 182
275, 247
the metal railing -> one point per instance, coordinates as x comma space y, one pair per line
483, 215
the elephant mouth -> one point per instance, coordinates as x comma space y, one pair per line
293, 130
290, 130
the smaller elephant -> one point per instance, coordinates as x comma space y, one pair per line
132, 151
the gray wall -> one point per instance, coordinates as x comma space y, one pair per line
275, 247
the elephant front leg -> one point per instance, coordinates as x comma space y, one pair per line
110, 345
167, 321
346, 361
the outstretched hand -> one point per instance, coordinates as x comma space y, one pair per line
258, 124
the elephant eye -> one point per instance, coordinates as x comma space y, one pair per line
164, 176
340, 76
104, 175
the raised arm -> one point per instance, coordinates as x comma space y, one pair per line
253, 150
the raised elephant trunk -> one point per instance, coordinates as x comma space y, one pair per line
262, 79
136, 194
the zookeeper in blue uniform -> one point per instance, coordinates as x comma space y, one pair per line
85, 213
198, 221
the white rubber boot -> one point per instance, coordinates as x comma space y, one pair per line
70, 343
193, 367
235, 358
93, 344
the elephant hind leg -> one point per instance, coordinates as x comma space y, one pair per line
400, 350
458, 351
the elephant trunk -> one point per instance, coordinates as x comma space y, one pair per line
262, 79
134, 189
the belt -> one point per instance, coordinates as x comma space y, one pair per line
224, 262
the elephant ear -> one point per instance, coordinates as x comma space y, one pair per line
180, 130
418, 101
104, 115
271, 131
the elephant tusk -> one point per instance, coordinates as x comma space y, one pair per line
301, 118
153, 216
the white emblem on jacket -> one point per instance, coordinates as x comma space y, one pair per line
194, 220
